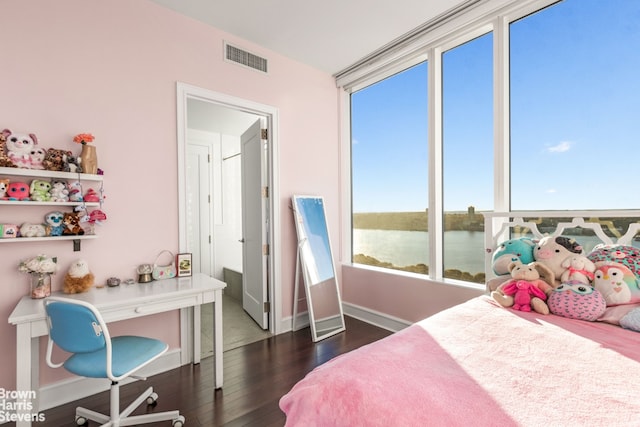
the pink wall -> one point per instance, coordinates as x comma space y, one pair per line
404, 296
110, 68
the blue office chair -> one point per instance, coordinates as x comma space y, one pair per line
78, 328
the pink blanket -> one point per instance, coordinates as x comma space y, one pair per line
478, 364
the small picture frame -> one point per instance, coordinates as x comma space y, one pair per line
184, 265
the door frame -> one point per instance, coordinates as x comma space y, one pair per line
184, 92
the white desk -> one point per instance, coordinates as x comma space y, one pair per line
120, 303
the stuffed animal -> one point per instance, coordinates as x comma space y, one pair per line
36, 157
54, 159
629, 256
19, 147
523, 292
91, 196
59, 192
519, 292
579, 268
71, 223
4, 185
9, 231
577, 300
75, 191
33, 230
54, 222
552, 251
39, 190
71, 163
513, 250
79, 278
18, 191
5, 161
617, 283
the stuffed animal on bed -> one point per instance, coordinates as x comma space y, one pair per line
617, 283
629, 256
513, 250
526, 289
579, 268
552, 251
577, 300
79, 278
621, 291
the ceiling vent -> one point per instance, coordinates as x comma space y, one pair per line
242, 57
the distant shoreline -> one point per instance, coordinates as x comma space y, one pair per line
464, 221
416, 221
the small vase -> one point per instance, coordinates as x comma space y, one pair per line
89, 159
40, 285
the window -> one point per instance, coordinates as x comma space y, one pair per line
571, 120
467, 156
575, 97
389, 172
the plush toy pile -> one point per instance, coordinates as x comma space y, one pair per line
554, 275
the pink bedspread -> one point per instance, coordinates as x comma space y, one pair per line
478, 364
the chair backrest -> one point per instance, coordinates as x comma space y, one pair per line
75, 326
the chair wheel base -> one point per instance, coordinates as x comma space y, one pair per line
82, 421
178, 422
152, 399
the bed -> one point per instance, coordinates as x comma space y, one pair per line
480, 364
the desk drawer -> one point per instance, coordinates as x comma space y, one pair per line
129, 311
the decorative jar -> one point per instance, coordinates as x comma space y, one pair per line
40, 285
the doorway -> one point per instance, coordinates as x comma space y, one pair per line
210, 128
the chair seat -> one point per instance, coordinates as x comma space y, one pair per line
128, 353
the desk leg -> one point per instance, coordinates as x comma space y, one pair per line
27, 371
218, 347
197, 331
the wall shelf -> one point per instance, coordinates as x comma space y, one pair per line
46, 174
36, 173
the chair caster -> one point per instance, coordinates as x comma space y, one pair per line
178, 422
152, 399
82, 421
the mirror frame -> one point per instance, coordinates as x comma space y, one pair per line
303, 263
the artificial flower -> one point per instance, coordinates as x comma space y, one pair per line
39, 264
83, 138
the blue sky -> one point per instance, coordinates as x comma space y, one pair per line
575, 101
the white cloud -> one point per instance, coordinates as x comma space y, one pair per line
560, 148
552, 190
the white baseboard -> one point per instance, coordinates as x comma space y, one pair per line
375, 318
367, 315
75, 388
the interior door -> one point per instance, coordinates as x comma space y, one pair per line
254, 223
198, 211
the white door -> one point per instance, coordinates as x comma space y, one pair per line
198, 212
254, 223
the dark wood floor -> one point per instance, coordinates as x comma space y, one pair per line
255, 378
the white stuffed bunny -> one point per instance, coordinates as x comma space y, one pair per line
578, 268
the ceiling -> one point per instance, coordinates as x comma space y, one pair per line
329, 35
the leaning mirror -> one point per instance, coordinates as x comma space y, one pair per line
315, 262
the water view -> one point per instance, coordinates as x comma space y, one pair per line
464, 250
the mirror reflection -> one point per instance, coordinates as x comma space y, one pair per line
316, 263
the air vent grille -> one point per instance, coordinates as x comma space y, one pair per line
242, 57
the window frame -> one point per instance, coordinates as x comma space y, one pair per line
478, 19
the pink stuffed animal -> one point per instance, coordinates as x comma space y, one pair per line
19, 147
523, 292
